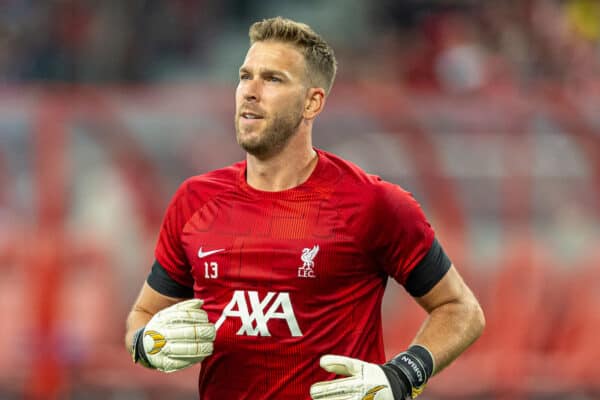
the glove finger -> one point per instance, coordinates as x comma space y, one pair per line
189, 350
338, 397
192, 333
175, 365
342, 388
183, 316
340, 365
189, 304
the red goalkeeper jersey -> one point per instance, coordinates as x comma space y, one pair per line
289, 276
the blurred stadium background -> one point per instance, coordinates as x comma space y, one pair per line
488, 111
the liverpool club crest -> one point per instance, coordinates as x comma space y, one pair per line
307, 270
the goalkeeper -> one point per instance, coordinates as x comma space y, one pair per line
271, 272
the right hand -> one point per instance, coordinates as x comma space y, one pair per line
363, 381
176, 337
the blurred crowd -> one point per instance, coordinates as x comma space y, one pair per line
456, 46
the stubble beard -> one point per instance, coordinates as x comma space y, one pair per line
274, 135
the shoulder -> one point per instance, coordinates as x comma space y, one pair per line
348, 172
369, 188
208, 185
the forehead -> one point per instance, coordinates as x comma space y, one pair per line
275, 55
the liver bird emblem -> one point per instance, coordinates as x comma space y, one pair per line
308, 255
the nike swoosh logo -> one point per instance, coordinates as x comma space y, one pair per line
203, 254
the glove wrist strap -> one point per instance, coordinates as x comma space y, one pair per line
399, 383
413, 368
138, 353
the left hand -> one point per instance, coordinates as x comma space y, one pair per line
365, 381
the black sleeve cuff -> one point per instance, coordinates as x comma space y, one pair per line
430, 270
160, 281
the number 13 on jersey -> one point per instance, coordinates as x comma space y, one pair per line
211, 270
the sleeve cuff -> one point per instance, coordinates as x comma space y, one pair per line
160, 281
430, 270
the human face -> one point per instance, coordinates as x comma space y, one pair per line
270, 97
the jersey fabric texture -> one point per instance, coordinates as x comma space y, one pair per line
292, 275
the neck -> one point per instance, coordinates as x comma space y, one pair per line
284, 170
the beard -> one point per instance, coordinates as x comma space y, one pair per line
274, 135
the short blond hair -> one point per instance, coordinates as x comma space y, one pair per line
320, 59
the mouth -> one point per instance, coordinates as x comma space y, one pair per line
250, 115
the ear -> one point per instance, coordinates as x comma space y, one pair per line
314, 103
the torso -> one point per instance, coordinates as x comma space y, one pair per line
285, 279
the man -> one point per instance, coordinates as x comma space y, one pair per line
290, 252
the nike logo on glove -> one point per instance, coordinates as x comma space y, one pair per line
202, 254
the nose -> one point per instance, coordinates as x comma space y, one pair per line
251, 90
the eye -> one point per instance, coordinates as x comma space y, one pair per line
244, 77
273, 79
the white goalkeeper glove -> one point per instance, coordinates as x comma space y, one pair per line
365, 381
175, 338
402, 377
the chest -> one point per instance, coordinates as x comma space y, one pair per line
288, 245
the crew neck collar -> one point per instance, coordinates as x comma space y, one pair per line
314, 179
